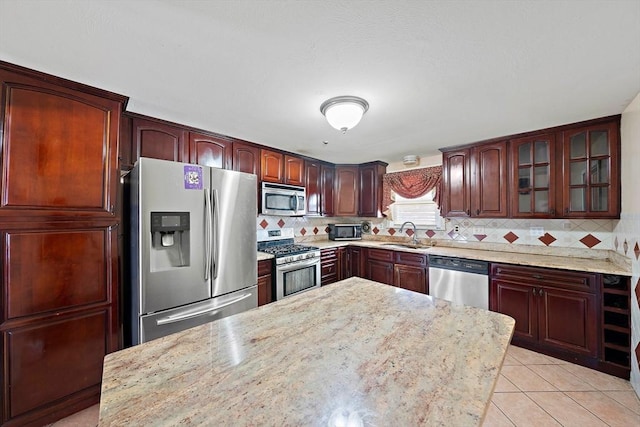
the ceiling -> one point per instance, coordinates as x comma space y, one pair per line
435, 73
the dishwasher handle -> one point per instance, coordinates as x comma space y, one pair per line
459, 264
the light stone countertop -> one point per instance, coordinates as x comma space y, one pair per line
589, 260
355, 350
263, 256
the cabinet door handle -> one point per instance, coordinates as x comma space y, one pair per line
477, 211
537, 276
552, 211
534, 292
468, 212
540, 292
566, 210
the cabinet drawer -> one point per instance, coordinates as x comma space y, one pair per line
562, 279
411, 259
264, 267
328, 269
381, 254
329, 254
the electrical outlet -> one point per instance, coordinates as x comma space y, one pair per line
478, 230
456, 228
536, 231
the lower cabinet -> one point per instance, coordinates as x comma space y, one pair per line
405, 270
331, 265
265, 282
410, 272
379, 266
352, 265
554, 310
59, 319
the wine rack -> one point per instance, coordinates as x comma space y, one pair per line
616, 319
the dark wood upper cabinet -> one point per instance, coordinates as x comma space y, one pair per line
59, 149
591, 171
489, 180
159, 140
456, 183
533, 176
327, 199
370, 191
210, 150
313, 178
282, 168
271, 166
346, 190
246, 158
569, 171
319, 183
294, 172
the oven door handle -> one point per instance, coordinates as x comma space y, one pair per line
296, 265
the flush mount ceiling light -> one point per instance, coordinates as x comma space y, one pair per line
344, 112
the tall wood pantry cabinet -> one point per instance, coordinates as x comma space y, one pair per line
58, 227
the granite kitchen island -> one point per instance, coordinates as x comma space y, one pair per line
354, 351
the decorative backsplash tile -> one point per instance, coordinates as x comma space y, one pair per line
582, 234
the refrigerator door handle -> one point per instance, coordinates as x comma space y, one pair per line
207, 234
216, 215
185, 316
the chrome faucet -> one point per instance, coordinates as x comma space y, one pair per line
414, 238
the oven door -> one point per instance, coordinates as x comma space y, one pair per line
296, 277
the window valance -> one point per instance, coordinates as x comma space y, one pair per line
411, 184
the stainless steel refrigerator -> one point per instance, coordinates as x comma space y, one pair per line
192, 247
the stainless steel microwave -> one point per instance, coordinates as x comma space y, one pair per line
283, 200
345, 232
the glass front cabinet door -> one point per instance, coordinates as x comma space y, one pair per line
533, 176
591, 176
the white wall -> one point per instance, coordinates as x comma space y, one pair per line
627, 231
425, 161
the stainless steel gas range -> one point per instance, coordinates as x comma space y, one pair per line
297, 266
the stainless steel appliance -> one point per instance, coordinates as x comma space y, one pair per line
193, 246
345, 232
461, 281
283, 200
297, 266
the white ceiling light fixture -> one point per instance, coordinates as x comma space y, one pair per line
344, 112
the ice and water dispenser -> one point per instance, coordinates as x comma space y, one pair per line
169, 240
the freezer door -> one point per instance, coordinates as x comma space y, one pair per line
233, 238
171, 263
178, 319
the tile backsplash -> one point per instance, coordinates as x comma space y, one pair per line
590, 234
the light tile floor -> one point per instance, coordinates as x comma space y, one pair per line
537, 390
532, 390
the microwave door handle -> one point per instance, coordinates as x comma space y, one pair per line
207, 234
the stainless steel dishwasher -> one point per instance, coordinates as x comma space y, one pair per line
459, 280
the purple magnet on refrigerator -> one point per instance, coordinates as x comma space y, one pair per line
192, 177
